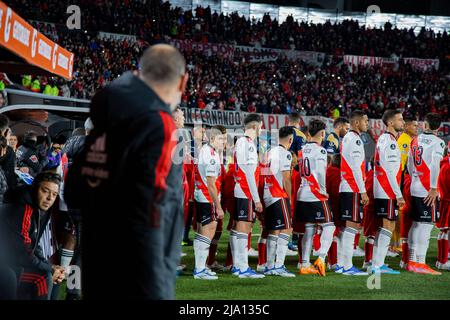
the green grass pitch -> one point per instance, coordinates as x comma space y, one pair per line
406, 286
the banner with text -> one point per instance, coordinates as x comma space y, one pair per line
24, 40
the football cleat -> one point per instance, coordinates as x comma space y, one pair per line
387, 270
353, 271
366, 265
216, 266
250, 274
443, 266
284, 272
293, 246
234, 271
403, 265
204, 275
427, 270
382, 270
320, 266
261, 267
414, 267
338, 268
270, 272
308, 270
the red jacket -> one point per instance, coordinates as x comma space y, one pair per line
444, 179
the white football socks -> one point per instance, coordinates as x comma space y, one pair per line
326, 238
380, 249
201, 251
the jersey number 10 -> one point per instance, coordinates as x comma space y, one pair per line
305, 167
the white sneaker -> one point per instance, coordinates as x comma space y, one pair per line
283, 272
443, 266
204, 275
270, 272
299, 266
291, 253
261, 267
210, 271
354, 272
358, 252
216, 266
181, 267
403, 265
391, 254
252, 253
250, 274
366, 265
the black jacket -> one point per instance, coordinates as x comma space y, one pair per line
73, 146
21, 227
8, 165
125, 166
29, 156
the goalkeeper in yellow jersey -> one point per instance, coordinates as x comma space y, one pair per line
403, 141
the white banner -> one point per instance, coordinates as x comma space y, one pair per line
207, 49
235, 120
419, 64
422, 64
362, 60
117, 36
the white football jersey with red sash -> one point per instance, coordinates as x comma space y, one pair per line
279, 161
246, 170
312, 161
209, 165
425, 155
388, 168
353, 165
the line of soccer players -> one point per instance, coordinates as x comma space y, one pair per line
295, 186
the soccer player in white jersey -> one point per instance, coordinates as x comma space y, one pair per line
312, 198
207, 199
246, 193
277, 191
386, 187
425, 155
352, 191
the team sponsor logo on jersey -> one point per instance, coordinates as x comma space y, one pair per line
34, 159
213, 162
442, 145
323, 151
358, 142
393, 146
251, 149
289, 157
405, 145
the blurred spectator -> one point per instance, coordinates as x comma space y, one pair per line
30, 158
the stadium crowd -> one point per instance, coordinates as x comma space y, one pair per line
154, 19
281, 86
